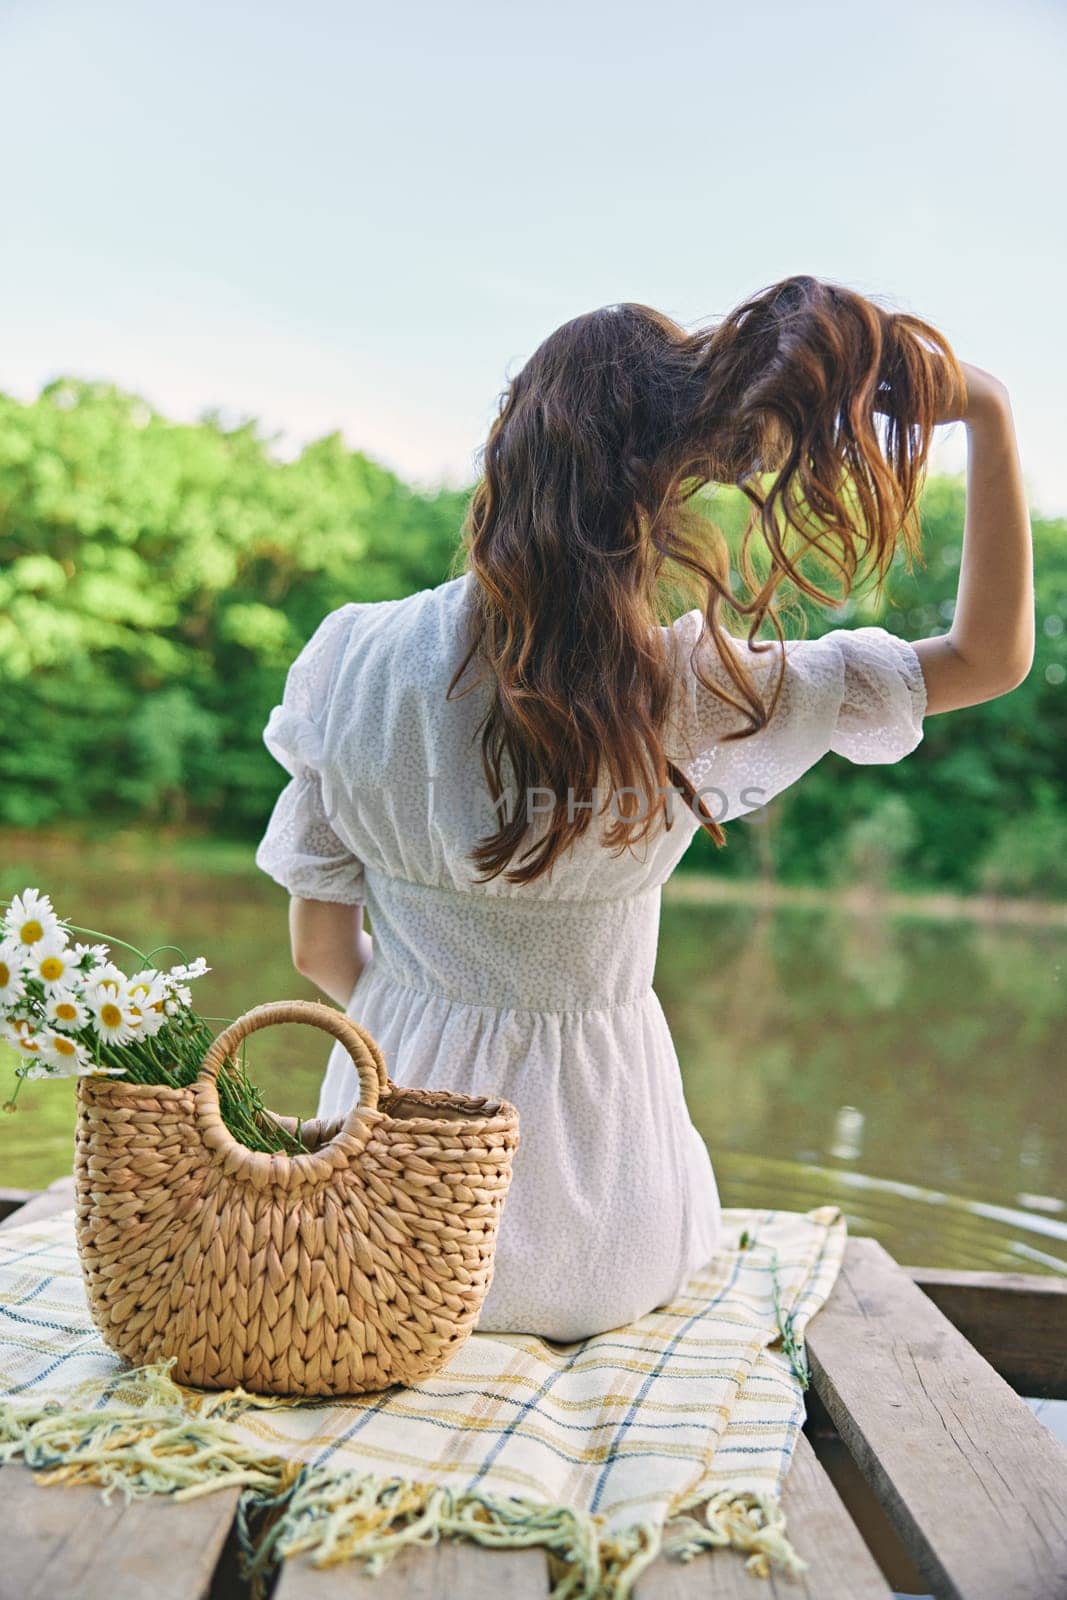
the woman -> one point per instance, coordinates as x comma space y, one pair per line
505, 769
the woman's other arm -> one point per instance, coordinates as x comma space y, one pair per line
330, 945
989, 648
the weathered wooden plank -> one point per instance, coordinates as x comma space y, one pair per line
59, 1196
822, 1532
1017, 1320
450, 1570
975, 1486
61, 1543
12, 1199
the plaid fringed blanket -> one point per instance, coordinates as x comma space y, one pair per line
674, 1432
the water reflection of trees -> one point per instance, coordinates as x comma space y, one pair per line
945, 1035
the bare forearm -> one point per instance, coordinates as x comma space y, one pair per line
336, 974
330, 945
989, 648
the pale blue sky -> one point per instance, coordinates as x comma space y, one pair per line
366, 217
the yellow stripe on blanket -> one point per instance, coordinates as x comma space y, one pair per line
674, 1432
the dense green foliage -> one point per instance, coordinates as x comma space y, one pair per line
158, 578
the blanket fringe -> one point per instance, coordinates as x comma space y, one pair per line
141, 1434
333, 1518
746, 1521
336, 1517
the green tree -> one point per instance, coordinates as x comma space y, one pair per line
158, 578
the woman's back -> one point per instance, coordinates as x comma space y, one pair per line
540, 992
400, 761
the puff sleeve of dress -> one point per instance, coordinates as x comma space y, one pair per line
303, 847
857, 691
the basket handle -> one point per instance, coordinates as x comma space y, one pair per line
366, 1056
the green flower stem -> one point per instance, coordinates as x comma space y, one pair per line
240, 1102
172, 1058
106, 938
150, 957
792, 1346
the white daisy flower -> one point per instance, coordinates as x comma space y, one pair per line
106, 972
90, 956
30, 918
149, 984
66, 1009
109, 1004
148, 992
194, 969
177, 990
151, 1021
23, 1037
12, 983
66, 1056
50, 963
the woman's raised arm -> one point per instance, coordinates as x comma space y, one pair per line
989, 648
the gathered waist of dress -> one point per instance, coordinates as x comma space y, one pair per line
510, 951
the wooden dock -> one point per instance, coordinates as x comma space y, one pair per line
916, 1377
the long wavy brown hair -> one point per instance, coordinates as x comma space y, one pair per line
584, 532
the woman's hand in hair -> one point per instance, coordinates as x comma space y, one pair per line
983, 394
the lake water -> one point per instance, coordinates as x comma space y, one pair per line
907, 1068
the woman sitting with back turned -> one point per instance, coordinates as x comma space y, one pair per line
506, 768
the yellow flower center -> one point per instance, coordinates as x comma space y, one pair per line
64, 1047
31, 931
66, 1011
110, 1015
51, 968
5, 975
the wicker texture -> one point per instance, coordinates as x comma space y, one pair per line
361, 1263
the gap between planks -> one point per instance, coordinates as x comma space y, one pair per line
1016, 1320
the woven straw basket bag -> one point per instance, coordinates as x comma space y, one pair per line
358, 1264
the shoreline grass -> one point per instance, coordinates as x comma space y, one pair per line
927, 905
170, 850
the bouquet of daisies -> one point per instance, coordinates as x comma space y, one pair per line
66, 1009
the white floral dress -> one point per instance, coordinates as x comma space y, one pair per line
540, 993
